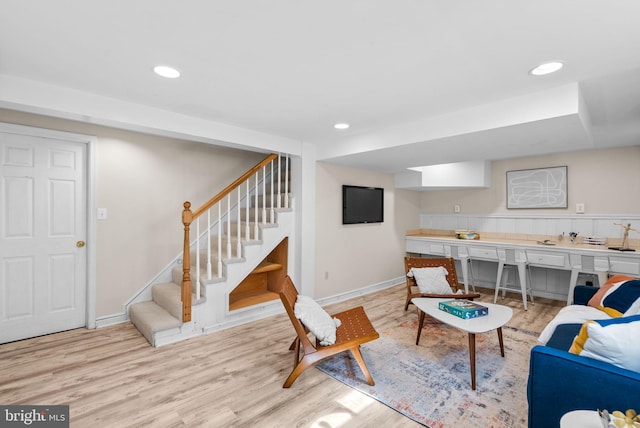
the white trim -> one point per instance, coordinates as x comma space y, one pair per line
270, 308
90, 184
109, 320
91, 230
361, 291
42, 98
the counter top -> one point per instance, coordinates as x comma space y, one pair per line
563, 255
528, 243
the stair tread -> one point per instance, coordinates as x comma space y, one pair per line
267, 266
243, 300
154, 315
150, 319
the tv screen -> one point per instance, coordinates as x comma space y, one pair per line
362, 204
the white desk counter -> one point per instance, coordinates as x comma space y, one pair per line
563, 255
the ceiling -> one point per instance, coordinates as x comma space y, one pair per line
421, 82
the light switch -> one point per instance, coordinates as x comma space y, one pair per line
580, 208
456, 208
102, 214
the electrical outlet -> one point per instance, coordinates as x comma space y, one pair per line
580, 208
456, 208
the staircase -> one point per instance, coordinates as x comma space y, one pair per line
226, 274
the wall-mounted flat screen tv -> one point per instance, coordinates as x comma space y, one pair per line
362, 204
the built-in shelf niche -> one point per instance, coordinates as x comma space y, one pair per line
261, 284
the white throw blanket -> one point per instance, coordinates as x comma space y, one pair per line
573, 314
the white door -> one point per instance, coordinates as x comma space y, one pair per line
43, 193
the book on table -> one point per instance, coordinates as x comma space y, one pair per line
463, 308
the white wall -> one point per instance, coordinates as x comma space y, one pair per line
143, 181
606, 181
357, 256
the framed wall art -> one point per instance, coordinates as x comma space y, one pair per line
537, 188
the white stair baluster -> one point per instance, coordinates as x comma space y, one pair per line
286, 182
255, 200
247, 231
228, 217
264, 194
271, 210
208, 244
279, 181
197, 255
219, 241
239, 229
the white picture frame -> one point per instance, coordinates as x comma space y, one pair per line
537, 188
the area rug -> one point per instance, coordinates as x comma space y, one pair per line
431, 383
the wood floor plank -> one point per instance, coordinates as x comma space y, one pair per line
111, 377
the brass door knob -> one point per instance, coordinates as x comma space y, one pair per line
80, 244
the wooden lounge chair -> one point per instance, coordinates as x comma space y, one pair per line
355, 330
452, 278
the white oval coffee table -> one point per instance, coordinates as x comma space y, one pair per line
581, 419
498, 316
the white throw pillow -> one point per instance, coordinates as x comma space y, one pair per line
634, 309
614, 341
316, 319
431, 280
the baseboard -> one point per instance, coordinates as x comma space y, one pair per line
275, 310
361, 291
243, 320
109, 320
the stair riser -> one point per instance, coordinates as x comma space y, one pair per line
266, 199
169, 301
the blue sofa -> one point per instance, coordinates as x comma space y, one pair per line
560, 382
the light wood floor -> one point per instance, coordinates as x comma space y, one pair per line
111, 377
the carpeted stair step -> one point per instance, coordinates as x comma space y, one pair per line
266, 199
176, 274
168, 297
151, 319
252, 225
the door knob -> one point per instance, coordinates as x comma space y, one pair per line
80, 244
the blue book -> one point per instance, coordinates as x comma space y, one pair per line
463, 308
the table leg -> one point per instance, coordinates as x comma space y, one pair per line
420, 323
501, 342
472, 359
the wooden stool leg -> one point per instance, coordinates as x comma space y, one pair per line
420, 323
472, 359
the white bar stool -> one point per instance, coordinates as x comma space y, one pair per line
459, 252
587, 265
521, 267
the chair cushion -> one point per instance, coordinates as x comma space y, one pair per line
431, 280
316, 319
613, 341
617, 296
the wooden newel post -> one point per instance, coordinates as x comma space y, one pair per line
187, 217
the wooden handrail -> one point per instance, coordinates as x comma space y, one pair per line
187, 218
233, 186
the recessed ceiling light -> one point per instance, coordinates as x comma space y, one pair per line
168, 72
547, 68
341, 125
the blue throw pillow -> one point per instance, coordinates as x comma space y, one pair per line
621, 297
